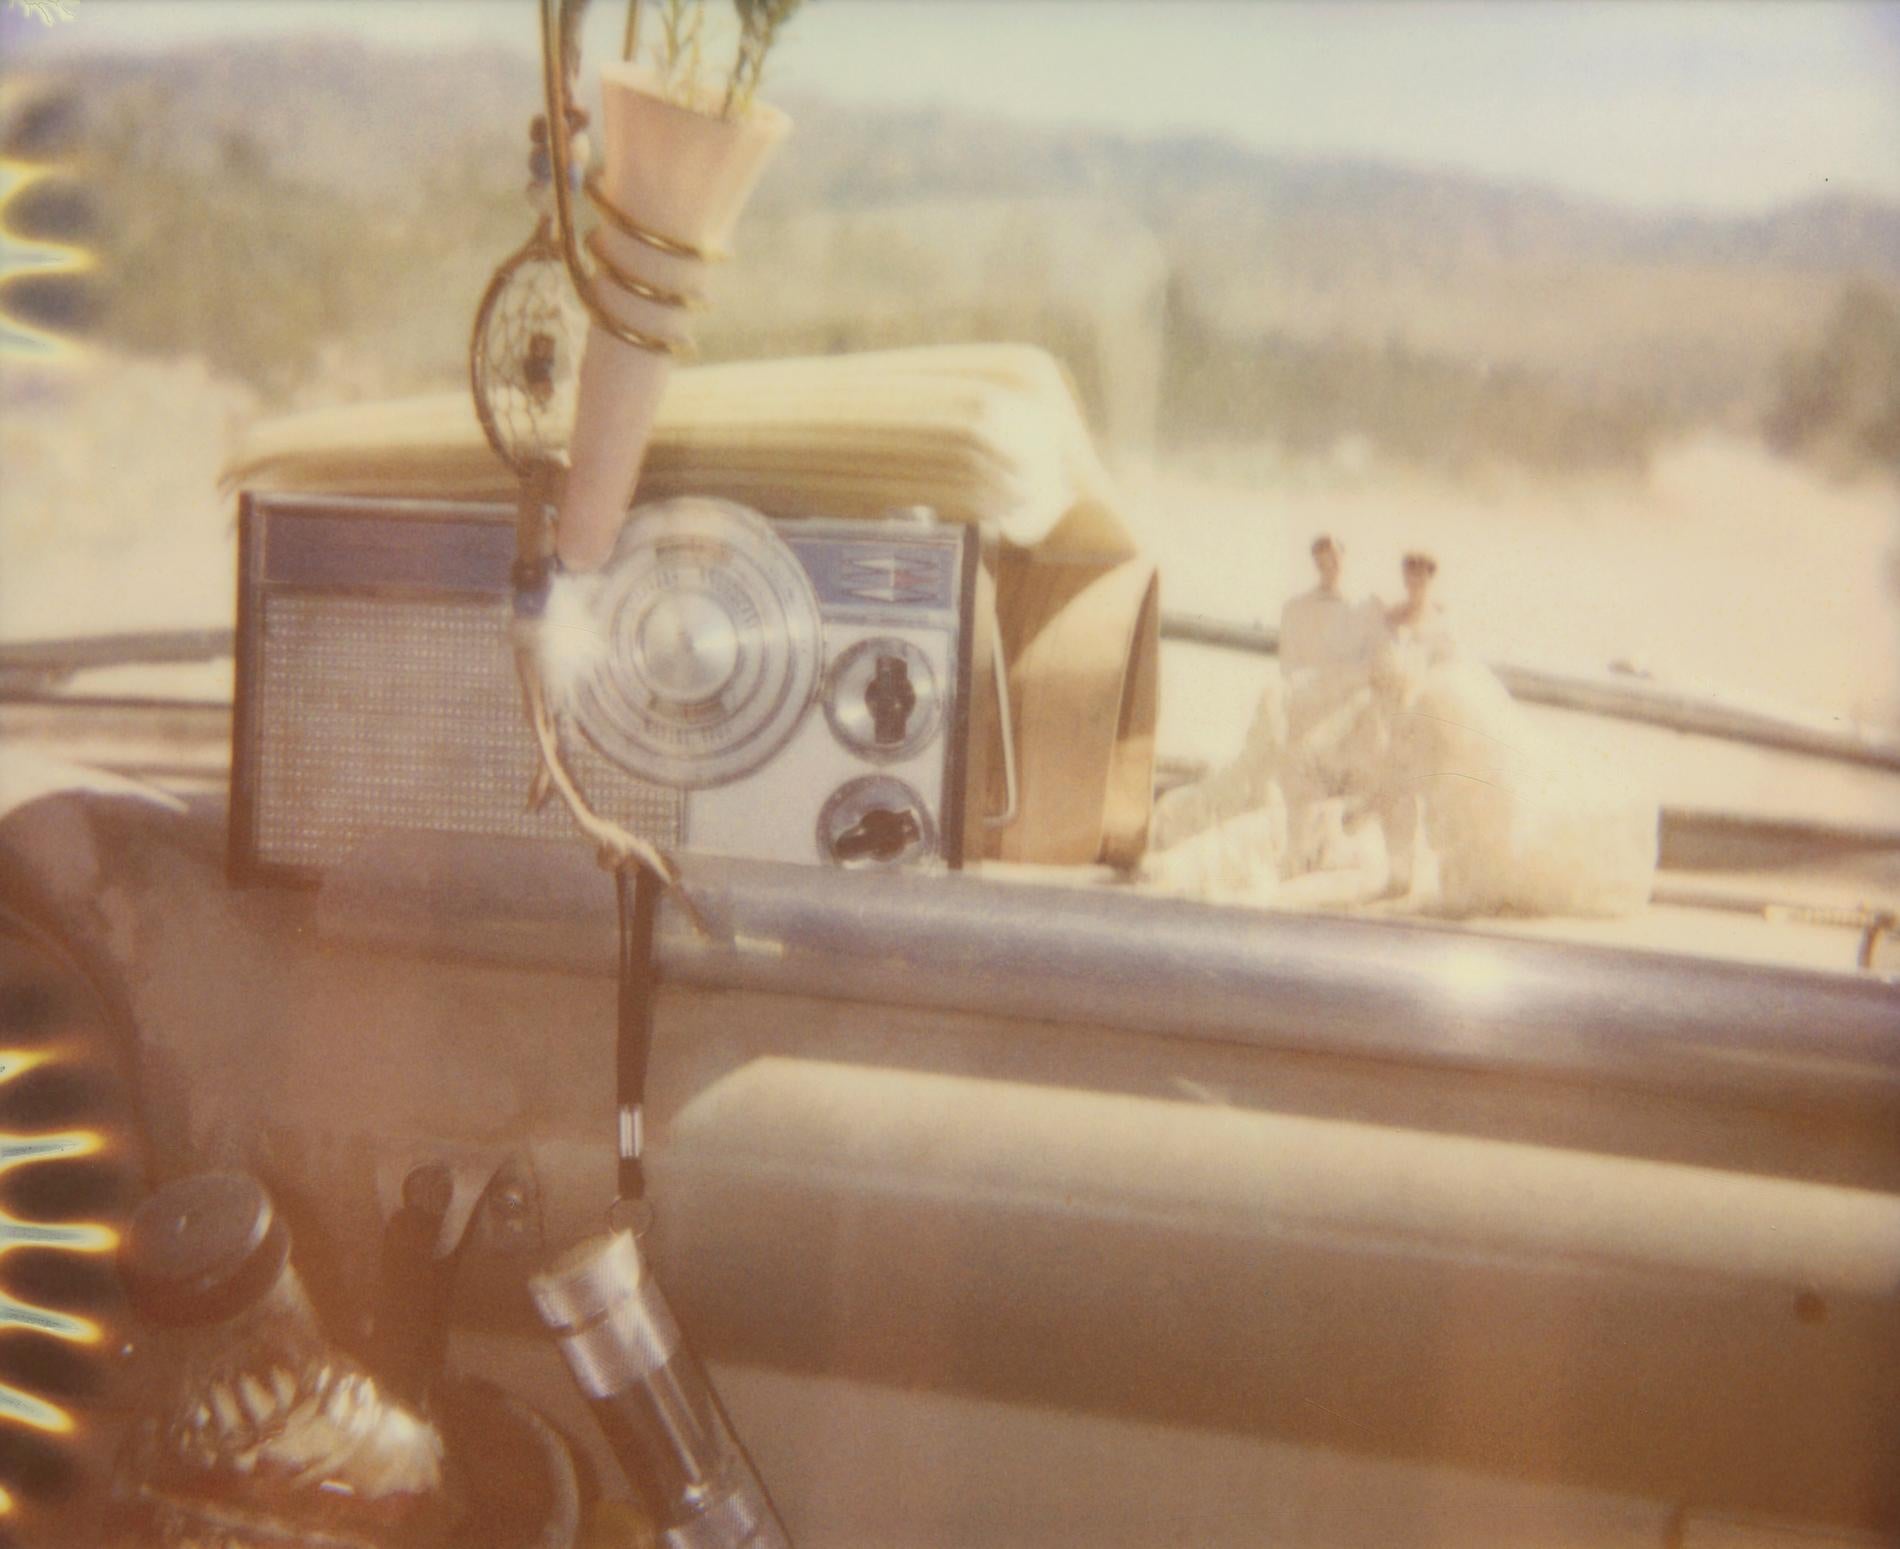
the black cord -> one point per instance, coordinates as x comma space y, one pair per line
638, 899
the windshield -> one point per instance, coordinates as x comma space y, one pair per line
1545, 298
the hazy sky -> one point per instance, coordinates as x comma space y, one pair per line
1728, 106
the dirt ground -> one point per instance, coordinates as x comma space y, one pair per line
1726, 569
110, 517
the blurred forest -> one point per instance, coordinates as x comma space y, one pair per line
318, 222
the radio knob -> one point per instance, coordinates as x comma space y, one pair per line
875, 820
883, 699
882, 834
890, 699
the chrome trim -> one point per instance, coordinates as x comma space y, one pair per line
1632, 700
1111, 957
1000, 673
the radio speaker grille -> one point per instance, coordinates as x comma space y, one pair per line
378, 715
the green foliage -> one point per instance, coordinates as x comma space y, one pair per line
223, 258
285, 255
1839, 401
216, 242
1309, 398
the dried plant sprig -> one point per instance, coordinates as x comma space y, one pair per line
676, 50
759, 23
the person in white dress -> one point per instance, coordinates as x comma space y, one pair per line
1520, 819
1417, 633
1420, 619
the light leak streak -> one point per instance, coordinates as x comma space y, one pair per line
17, 1062
23, 1151
18, 1407
39, 1414
41, 1320
81, 1238
28, 255
18, 1150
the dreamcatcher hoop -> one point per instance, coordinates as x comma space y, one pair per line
524, 356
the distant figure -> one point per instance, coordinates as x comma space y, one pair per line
1418, 635
1323, 628
1420, 619
1376, 714
1326, 646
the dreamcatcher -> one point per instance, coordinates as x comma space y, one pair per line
524, 356
524, 371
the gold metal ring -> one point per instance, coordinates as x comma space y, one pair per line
634, 285
627, 226
653, 343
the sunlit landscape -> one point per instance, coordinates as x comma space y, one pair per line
1633, 436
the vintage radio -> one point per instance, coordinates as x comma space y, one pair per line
794, 690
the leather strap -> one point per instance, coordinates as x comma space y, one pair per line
637, 893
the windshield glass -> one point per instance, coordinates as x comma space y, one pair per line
1543, 297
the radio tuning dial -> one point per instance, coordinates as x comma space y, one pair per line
713, 643
689, 646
